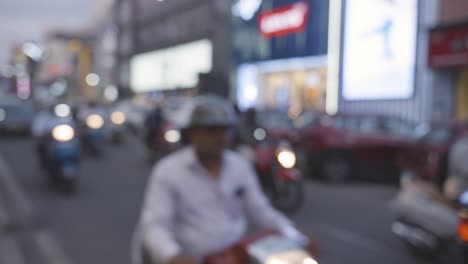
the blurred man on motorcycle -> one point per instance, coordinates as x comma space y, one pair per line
199, 198
153, 122
45, 121
457, 182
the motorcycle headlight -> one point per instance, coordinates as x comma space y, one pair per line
118, 118
95, 121
286, 158
260, 134
63, 133
172, 136
307, 260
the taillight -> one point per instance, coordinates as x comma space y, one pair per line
463, 230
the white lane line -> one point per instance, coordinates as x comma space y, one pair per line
49, 249
22, 204
10, 252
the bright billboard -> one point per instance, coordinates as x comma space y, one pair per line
379, 49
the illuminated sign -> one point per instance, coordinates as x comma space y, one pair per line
283, 21
246, 9
448, 47
175, 67
379, 52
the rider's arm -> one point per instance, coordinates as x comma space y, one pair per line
157, 218
264, 215
259, 207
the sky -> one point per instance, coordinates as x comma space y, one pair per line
22, 20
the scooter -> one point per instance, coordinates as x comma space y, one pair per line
462, 232
117, 127
268, 248
93, 134
165, 140
275, 163
423, 222
62, 151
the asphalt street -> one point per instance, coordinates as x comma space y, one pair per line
41, 225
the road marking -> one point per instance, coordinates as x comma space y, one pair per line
49, 249
22, 204
10, 252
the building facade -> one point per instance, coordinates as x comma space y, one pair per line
280, 52
422, 98
169, 45
448, 54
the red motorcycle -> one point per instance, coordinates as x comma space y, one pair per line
269, 248
166, 139
275, 163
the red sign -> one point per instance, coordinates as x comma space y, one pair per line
283, 21
448, 47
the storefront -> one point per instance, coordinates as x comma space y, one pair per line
280, 54
448, 52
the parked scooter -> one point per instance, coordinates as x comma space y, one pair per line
62, 151
275, 164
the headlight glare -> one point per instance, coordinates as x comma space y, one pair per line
118, 118
95, 121
63, 133
286, 158
172, 136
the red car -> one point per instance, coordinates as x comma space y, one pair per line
428, 156
345, 146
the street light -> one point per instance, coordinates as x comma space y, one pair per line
32, 50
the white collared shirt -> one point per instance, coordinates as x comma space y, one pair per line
188, 212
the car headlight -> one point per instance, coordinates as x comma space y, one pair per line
286, 158
95, 121
172, 136
63, 133
118, 118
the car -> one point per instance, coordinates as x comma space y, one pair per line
427, 157
16, 117
353, 146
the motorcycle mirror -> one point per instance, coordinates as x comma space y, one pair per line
463, 200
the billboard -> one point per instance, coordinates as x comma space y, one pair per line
379, 49
171, 68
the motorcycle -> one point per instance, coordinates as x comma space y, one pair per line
275, 164
424, 221
166, 139
268, 248
462, 231
116, 126
62, 151
93, 134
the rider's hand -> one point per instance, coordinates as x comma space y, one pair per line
181, 259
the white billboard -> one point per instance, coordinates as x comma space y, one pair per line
175, 67
379, 49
